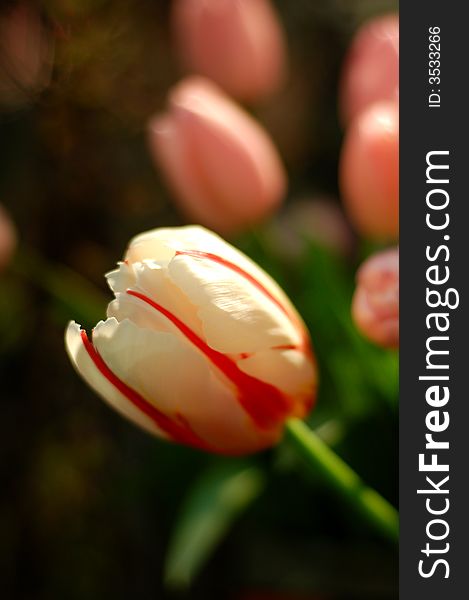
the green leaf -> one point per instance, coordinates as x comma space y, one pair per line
221, 494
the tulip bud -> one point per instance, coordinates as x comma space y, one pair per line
371, 70
223, 168
7, 238
319, 218
237, 43
375, 306
200, 346
369, 171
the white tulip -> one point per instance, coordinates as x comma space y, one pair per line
200, 345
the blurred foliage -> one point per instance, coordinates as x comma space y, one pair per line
222, 492
90, 504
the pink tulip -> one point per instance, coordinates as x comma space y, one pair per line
221, 165
371, 71
375, 306
26, 54
7, 238
321, 219
369, 171
237, 43
316, 219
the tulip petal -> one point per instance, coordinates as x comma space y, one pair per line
167, 242
369, 171
121, 278
382, 331
234, 155
371, 70
176, 377
291, 370
194, 239
238, 44
154, 282
237, 317
169, 145
375, 306
221, 164
85, 366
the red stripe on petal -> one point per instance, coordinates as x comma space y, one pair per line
237, 269
285, 347
179, 431
305, 343
266, 404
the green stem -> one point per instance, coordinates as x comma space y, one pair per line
339, 476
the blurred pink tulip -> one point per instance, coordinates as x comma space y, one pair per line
26, 53
321, 219
7, 238
237, 43
222, 166
316, 219
369, 171
371, 71
375, 306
